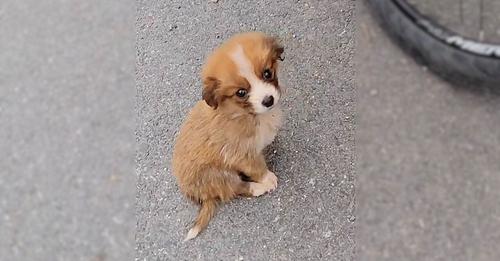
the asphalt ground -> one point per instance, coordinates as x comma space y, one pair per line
311, 214
428, 158
67, 145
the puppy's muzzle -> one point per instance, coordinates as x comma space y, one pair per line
268, 101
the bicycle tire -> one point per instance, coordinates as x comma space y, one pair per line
453, 57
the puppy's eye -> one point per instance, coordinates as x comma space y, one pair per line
241, 93
267, 74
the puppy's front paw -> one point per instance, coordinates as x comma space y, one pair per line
257, 189
270, 180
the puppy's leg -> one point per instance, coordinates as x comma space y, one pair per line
251, 189
256, 169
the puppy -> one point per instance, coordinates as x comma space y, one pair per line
218, 151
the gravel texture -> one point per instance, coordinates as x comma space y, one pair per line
310, 215
428, 157
67, 141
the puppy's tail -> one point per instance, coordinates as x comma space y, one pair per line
205, 214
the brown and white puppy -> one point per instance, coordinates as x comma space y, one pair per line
218, 152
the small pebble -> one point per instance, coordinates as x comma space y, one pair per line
172, 27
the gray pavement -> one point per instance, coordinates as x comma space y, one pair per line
66, 136
428, 157
310, 215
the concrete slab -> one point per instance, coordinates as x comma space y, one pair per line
427, 156
67, 140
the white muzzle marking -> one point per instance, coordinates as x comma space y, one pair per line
260, 89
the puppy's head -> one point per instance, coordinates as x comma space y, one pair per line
241, 75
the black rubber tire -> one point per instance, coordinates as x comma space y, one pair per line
452, 63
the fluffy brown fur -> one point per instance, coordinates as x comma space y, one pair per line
224, 134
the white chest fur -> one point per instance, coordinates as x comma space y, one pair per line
267, 126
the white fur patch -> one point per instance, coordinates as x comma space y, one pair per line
193, 232
260, 89
268, 126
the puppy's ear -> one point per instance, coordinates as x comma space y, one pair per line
210, 85
276, 49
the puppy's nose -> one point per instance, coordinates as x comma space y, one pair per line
268, 101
